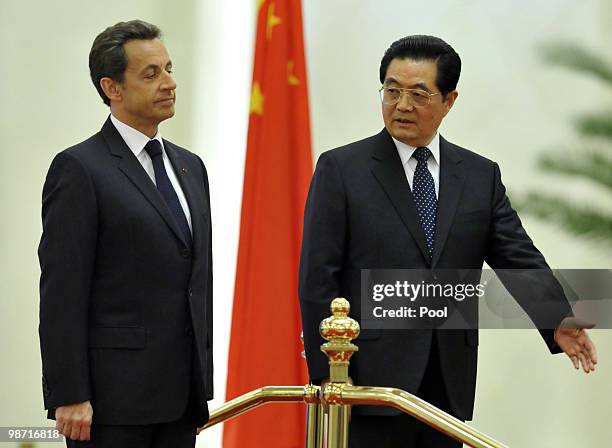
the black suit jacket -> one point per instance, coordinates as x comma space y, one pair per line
360, 214
125, 303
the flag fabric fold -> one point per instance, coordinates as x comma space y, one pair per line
265, 341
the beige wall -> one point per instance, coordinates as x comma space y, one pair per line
511, 107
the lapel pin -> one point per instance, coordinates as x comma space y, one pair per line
184, 170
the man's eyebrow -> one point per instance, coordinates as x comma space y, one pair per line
423, 86
392, 81
153, 67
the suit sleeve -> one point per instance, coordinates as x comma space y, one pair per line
522, 268
66, 254
321, 258
209, 295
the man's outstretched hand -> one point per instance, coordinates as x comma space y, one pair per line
573, 339
74, 420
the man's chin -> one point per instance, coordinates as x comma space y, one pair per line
403, 135
168, 113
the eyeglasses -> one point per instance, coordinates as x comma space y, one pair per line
392, 95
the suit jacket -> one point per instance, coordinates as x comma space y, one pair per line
360, 214
125, 302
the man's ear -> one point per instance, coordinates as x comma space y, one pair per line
111, 88
450, 100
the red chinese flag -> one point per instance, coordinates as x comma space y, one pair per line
265, 347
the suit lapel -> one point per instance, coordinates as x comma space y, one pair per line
132, 168
193, 193
452, 177
388, 170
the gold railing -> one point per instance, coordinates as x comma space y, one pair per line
328, 406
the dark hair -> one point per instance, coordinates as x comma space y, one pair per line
426, 48
107, 56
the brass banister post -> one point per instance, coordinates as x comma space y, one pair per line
314, 418
338, 330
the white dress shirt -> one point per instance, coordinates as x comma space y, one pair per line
409, 163
136, 141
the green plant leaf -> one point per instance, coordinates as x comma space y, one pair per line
577, 58
596, 125
590, 165
582, 221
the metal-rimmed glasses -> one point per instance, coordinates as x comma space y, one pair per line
418, 97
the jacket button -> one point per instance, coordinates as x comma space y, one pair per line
190, 292
186, 253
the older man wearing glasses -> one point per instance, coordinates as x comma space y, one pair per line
407, 198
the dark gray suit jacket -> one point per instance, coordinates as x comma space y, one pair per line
360, 214
125, 303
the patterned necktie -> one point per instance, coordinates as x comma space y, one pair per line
424, 192
154, 149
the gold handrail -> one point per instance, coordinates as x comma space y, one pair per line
259, 397
427, 413
336, 396
348, 394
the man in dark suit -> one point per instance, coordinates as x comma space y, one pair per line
126, 261
406, 198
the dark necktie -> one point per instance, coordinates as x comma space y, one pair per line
424, 192
154, 149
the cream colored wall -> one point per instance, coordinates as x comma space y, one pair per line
511, 107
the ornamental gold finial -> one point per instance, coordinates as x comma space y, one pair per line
339, 330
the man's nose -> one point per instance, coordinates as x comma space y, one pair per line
168, 82
405, 102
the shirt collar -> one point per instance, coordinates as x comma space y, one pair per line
135, 139
405, 151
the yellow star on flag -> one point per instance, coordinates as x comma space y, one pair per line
272, 21
291, 78
257, 100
